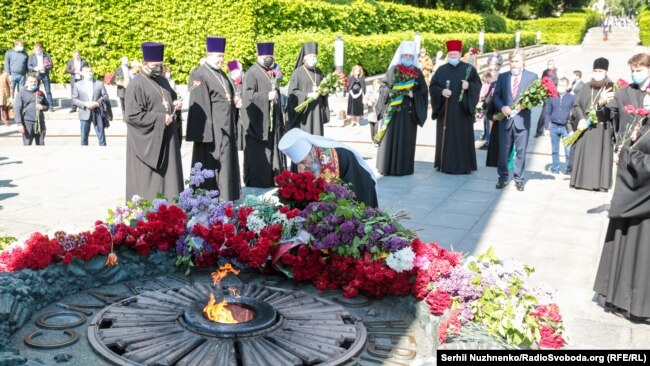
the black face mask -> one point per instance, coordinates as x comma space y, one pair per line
157, 70
268, 61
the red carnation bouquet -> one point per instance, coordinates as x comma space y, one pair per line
296, 190
534, 94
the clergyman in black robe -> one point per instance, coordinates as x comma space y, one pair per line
262, 158
331, 160
305, 79
622, 277
396, 153
153, 142
455, 151
236, 73
594, 150
212, 124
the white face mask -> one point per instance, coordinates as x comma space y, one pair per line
19, 48
561, 89
598, 76
168, 75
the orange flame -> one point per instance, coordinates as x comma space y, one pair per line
218, 311
222, 272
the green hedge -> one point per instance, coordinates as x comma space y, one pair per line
365, 17
570, 28
103, 31
644, 27
375, 52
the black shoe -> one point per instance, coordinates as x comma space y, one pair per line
73, 111
520, 186
501, 184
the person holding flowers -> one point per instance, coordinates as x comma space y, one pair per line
556, 122
622, 277
332, 161
455, 91
304, 83
153, 141
401, 106
515, 128
29, 105
212, 122
594, 149
264, 121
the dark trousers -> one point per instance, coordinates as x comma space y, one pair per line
85, 131
74, 107
122, 105
45, 79
29, 136
508, 138
17, 82
373, 130
540, 123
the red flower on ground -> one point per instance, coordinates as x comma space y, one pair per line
438, 302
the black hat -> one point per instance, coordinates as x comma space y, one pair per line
601, 63
265, 49
308, 48
153, 52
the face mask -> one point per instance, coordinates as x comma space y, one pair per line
39, 52
89, 76
453, 61
125, 64
157, 70
311, 62
597, 76
561, 90
19, 48
32, 88
406, 61
168, 75
638, 77
268, 61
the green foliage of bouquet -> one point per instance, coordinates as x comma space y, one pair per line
330, 84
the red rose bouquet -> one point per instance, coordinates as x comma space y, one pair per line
296, 190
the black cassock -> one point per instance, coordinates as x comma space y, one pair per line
350, 171
153, 150
241, 131
313, 118
396, 154
593, 155
459, 155
624, 269
262, 158
211, 125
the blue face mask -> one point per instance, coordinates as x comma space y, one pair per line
32, 88
453, 61
311, 62
638, 77
406, 61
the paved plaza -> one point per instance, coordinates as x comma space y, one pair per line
557, 230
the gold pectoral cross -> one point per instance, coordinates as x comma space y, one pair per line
165, 104
228, 97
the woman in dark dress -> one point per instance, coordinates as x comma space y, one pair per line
592, 161
356, 90
622, 278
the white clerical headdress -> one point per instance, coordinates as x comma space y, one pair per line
406, 47
296, 144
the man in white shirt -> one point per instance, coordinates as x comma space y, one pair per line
74, 69
90, 96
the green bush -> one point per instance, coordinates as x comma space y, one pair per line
103, 31
375, 52
644, 27
570, 28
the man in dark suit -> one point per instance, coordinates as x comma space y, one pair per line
90, 96
40, 63
516, 127
74, 69
122, 78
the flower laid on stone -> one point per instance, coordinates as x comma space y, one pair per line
495, 294
111, 260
